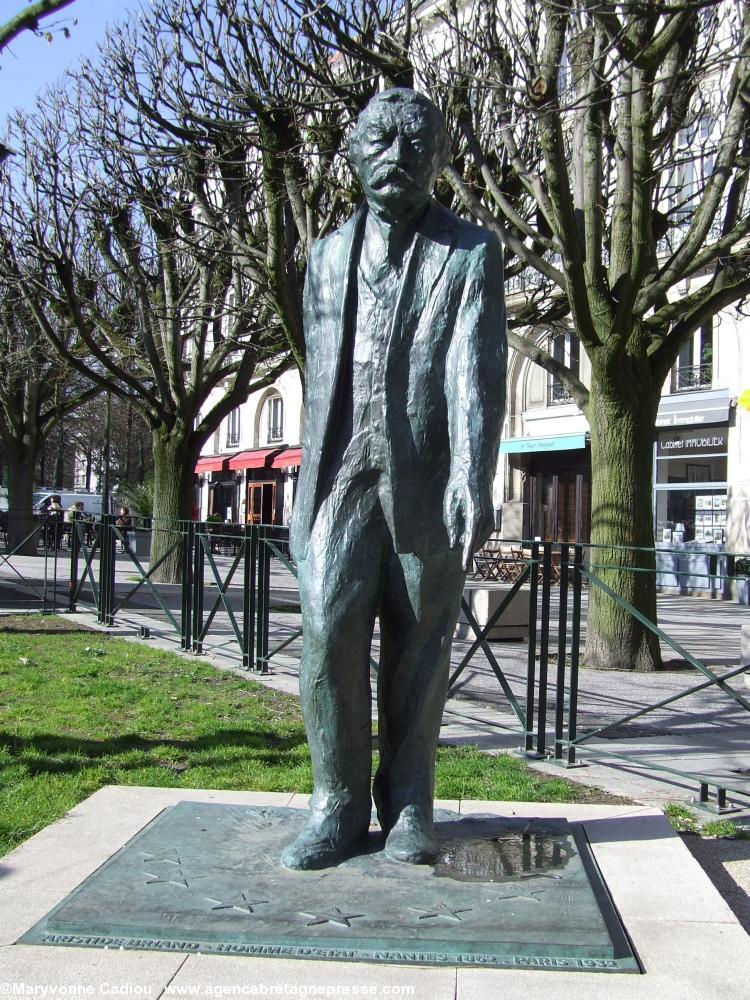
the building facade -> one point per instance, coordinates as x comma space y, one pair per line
247, 472
701, 454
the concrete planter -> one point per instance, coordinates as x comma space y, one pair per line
484, 599
142, 542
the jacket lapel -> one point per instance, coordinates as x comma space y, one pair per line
335, 334
429, 254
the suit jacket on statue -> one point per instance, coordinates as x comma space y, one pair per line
445, 372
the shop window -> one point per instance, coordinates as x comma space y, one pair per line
695, 363
565, 348
233, 428
275, 416
691, 488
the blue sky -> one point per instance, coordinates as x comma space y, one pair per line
31, 63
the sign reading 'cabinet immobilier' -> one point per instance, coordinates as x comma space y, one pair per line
706, 441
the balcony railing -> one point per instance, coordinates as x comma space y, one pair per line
690, 377
557, 394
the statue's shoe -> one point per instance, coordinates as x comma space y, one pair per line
412, 840
312, 850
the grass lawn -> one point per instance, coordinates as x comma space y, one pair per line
79, 710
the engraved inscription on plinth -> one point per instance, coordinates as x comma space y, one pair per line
207, 878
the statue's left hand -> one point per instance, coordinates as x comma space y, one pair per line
467, 522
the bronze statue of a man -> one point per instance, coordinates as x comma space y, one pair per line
405, 385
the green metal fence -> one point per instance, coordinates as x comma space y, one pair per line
225, 596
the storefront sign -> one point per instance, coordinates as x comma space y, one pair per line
689, 408
560, 442
700, 441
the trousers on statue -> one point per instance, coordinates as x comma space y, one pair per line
351, 574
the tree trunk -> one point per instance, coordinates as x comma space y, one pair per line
622, 414
174, 467
21, 463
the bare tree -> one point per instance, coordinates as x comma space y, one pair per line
608, 147
241, 82
160, 311
627, 126
195, 157
131, 460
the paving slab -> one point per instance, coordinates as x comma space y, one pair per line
685, 935
85, 972
213, 975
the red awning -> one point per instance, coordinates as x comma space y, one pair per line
259, 458
290, 456
212, 463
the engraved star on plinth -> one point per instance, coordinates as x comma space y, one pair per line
152, 859
335, 916
155, 878
523, 897
244, 905
441, 910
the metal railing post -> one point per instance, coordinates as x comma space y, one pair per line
45, 542
187, 531
112, 544
531, 659
575, 651
107, 566
562, 646
250, 541
75, 550
541, 738
263, 600
103, 573
57, 541
198, 572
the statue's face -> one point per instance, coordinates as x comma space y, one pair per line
396, 155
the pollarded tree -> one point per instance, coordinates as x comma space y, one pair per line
609, 149
608, 146
160, 311
255, 88
194, 156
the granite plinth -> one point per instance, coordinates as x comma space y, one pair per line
206, 878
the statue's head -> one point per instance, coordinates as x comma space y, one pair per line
398, 147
